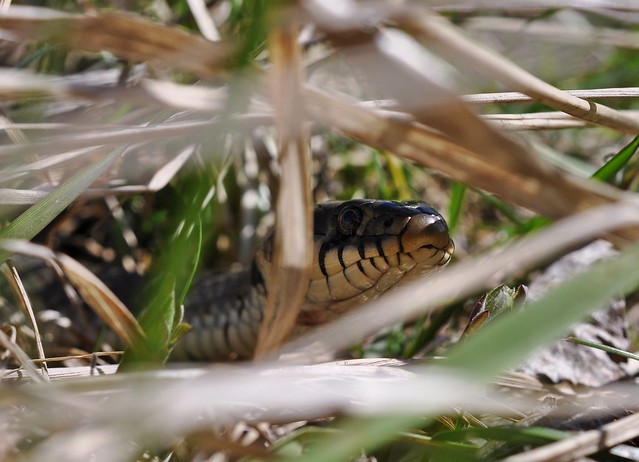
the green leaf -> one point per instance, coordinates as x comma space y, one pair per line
501, 344
456, 207
510, 337
35, 218
606, 348
173, 272
608, 171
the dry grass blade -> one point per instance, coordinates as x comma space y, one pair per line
170, 169
222, 394
461, 280
65, 373
98, 296
539, 120
584, 443
536, 123
24, 302
20, 196
448, 41
522, 179
15, 84
126, 36
104, 302
107, 136
435, 107
516, 97
204, 21
292, 245
22, 358
558, 31
88, 369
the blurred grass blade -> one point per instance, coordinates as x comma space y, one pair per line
126, 35
509, 338
457, 196
355, 435
608, 171
293, 239
448, 41
502, 344
103, 302
93, 291
173, 273
526, 435
602, 347
40, 214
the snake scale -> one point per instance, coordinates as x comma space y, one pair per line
361, 249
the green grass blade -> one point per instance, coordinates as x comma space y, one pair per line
509, 338
606, 348
35, 218
355, 434
456, 207
502, 344
514, 435
608, 171
173, 272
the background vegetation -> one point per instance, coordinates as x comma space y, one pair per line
165, 137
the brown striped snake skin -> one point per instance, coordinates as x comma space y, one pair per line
362, 248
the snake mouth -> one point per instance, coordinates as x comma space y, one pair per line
445, 251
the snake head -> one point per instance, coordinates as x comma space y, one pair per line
365, 247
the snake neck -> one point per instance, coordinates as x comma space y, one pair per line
362, 248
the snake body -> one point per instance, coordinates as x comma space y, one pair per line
362, 248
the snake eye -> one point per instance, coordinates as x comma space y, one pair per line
348, 220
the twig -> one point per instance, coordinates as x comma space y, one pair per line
23, 299
584, 443
517, 97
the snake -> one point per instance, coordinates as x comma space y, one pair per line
362, 248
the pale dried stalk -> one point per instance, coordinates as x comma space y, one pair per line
292, 244
447, 40
93, 291
126, 36
537, 124
517, 176
556, 31
104, 302
516, 97
583, 443
23, 301
204, 20
539, 120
